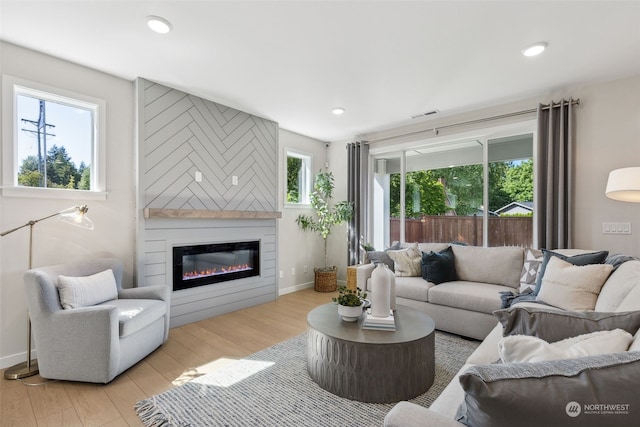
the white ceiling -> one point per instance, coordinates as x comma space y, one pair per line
383, 61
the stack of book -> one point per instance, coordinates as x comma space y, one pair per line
379, 323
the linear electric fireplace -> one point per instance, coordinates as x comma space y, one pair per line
199, 265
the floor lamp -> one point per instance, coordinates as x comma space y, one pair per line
77, 216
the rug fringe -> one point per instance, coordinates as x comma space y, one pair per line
149, 414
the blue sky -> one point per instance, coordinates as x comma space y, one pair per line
73, 129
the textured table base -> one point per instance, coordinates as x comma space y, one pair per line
373, 373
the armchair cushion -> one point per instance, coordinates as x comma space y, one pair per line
136, 314
76, 292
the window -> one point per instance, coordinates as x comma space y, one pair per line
298, 179
55, 142
477, 192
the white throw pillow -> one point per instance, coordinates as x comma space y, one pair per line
407, 262
572, 287
86, 291
524, 348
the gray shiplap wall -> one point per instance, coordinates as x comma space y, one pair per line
181, 134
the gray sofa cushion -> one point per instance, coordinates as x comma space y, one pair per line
472, 296
553, 393
380, 256
499, 265
555, 325
414, 288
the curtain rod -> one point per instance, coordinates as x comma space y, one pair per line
485, 119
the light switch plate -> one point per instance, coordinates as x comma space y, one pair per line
616, 228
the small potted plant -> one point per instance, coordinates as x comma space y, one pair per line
350, 303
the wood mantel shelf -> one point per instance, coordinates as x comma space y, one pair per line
207, 214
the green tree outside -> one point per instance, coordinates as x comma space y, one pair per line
61, 171
463, 185
294, 165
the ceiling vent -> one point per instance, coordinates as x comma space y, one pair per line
428, 113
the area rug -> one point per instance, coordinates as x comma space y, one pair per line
272, 388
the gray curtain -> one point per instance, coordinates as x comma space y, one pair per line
554, 175
357, 194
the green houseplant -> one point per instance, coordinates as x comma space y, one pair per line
326, 216
350, 303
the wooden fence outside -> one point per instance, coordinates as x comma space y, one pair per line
503, 231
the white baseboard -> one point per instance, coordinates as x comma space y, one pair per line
295, 288
307, 285
14, 359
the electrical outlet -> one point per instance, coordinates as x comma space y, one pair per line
234, 180
281, 274
198, 176
306, 270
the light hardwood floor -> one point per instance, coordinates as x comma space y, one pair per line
200, 346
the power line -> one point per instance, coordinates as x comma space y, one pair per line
41, 132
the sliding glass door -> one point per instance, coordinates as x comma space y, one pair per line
475, 192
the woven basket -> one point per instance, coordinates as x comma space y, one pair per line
326, 280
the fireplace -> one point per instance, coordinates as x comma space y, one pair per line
199, 265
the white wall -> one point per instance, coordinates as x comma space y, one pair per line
114, 233
297, 248
608, 137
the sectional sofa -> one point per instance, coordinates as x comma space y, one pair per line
539, 364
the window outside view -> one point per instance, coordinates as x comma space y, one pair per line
55, 143
298, 178
445, 204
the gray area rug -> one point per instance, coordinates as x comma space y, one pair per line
272, 388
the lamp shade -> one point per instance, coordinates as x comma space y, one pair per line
624, 185
77, 216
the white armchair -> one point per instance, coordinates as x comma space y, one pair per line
93, 343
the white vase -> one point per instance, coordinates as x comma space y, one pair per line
392, 287
380, 291
348, 313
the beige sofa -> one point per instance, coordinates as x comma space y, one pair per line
620, 294
464, 306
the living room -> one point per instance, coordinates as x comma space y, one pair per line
607, 122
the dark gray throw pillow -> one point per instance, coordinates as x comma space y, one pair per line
380, 256
555, 325
581, 259
588, 391
439, 267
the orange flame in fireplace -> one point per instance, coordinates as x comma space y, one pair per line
215, 271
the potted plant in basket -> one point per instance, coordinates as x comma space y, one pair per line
350, 303
326, 216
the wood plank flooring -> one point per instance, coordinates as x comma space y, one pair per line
191, 349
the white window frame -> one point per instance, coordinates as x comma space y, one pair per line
11, 88
307, 177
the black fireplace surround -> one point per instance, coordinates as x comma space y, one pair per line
200, 265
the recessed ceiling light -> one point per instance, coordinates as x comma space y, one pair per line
535, 49
158, 24
337, 111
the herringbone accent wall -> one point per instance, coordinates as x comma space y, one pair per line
185, 134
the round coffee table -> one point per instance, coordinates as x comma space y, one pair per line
368, 365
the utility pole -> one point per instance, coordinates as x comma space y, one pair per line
41, 132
